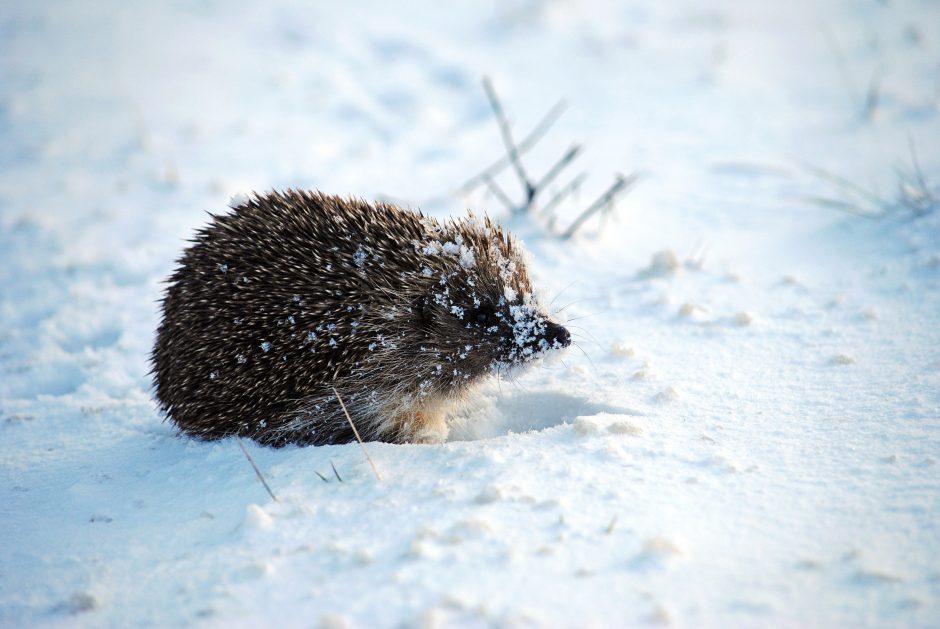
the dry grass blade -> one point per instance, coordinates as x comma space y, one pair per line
356, 432
872, 97
842, 63
914, 195
913, 190
842, 206
915, 164
255, 468
335, 471
610, 527
848, 186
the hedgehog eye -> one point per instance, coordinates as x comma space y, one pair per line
484, 315
422, 308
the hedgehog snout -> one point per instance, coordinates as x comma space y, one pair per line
537, 338
556, 335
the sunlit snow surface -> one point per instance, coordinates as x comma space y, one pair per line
748, 436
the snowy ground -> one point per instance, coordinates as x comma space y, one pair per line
751, 438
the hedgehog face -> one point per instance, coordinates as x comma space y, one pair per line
480, 300
515, 332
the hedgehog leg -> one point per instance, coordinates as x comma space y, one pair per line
422, 422
428, 425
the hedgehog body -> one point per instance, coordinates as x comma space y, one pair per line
295, 295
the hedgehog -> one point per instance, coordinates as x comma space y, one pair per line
296, 304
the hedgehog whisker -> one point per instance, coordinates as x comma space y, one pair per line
584, 335
583, 330
571, 303
587, 340
585, 316
586, 356
559, 294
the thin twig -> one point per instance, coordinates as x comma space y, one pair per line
255, 468
521, 148
569, 188
506, 134
499, 194
553, 172
322, 477
619, 186
604, 204
356, 432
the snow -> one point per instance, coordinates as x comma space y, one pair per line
769, 459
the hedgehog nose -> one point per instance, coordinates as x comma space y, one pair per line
555, 333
